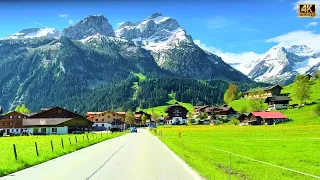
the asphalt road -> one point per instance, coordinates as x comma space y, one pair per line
133, 156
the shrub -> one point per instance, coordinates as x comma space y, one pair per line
316, 110
234, 121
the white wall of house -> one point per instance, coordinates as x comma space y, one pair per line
50, 130
16, 131
175, 119
278, 106
106, 125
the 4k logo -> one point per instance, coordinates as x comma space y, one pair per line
307, 10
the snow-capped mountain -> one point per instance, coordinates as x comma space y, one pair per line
35, 33
174, 50
89, 26
154, 33
282, 64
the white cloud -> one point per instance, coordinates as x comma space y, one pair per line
311, 24
229, 57
219, 22
308, 38
63, 15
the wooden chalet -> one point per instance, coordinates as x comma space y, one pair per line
11, 123
261, 118
177, 114
56, 121
267, 92
277, 102
102, 120
243, 116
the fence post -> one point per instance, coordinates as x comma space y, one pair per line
76, 139
83, 138
15, 152
70, 141
52, 146
179, 134
230, 167
87, 137
35, 143
62, 143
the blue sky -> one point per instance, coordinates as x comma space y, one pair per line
236, 31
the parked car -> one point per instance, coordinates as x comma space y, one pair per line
134, 129
77, 132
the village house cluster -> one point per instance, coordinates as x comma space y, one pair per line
61, 121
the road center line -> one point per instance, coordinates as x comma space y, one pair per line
106, 162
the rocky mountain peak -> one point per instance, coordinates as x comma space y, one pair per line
89, 26
301, 50
35, 33
154, 15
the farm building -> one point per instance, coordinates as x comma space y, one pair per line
103, 120
11, 123
277, 102
260, 118
56, 121
267, 92
177, 114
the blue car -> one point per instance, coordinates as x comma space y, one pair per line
134, 129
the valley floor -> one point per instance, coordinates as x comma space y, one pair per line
207, 149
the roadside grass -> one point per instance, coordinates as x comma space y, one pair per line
295, 147
26, 151
238, 104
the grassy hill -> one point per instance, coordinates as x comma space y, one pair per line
160, 110
315, 92
300, 116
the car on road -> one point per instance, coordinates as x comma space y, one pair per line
134, 129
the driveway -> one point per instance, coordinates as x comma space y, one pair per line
133, 156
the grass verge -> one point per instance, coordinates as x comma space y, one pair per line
294, 147
26, 151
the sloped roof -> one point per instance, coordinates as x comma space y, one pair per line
174, 105
44, 121
263, 88
269, 115
277, 98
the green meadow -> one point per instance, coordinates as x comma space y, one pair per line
202, 147
26, 150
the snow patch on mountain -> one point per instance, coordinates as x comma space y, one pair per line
281, 64
155, 33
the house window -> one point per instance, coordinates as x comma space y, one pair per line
102, 125
114, 115
102, 119
176, 111
54, 130
11, 117
96, 125
43, 130
19, 117
10, 124
96, 119
59, 111
102, 114
35, 130
108, 116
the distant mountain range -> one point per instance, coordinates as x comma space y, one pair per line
280, 65
42, 66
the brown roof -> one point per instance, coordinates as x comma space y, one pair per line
174, 105
44, 121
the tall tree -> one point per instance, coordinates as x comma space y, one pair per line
154, 117
231, 93
302, 88
256, 103
22, 109
129, 117
144, 119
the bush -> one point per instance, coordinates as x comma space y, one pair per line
217, 122
316, 110
234, 121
